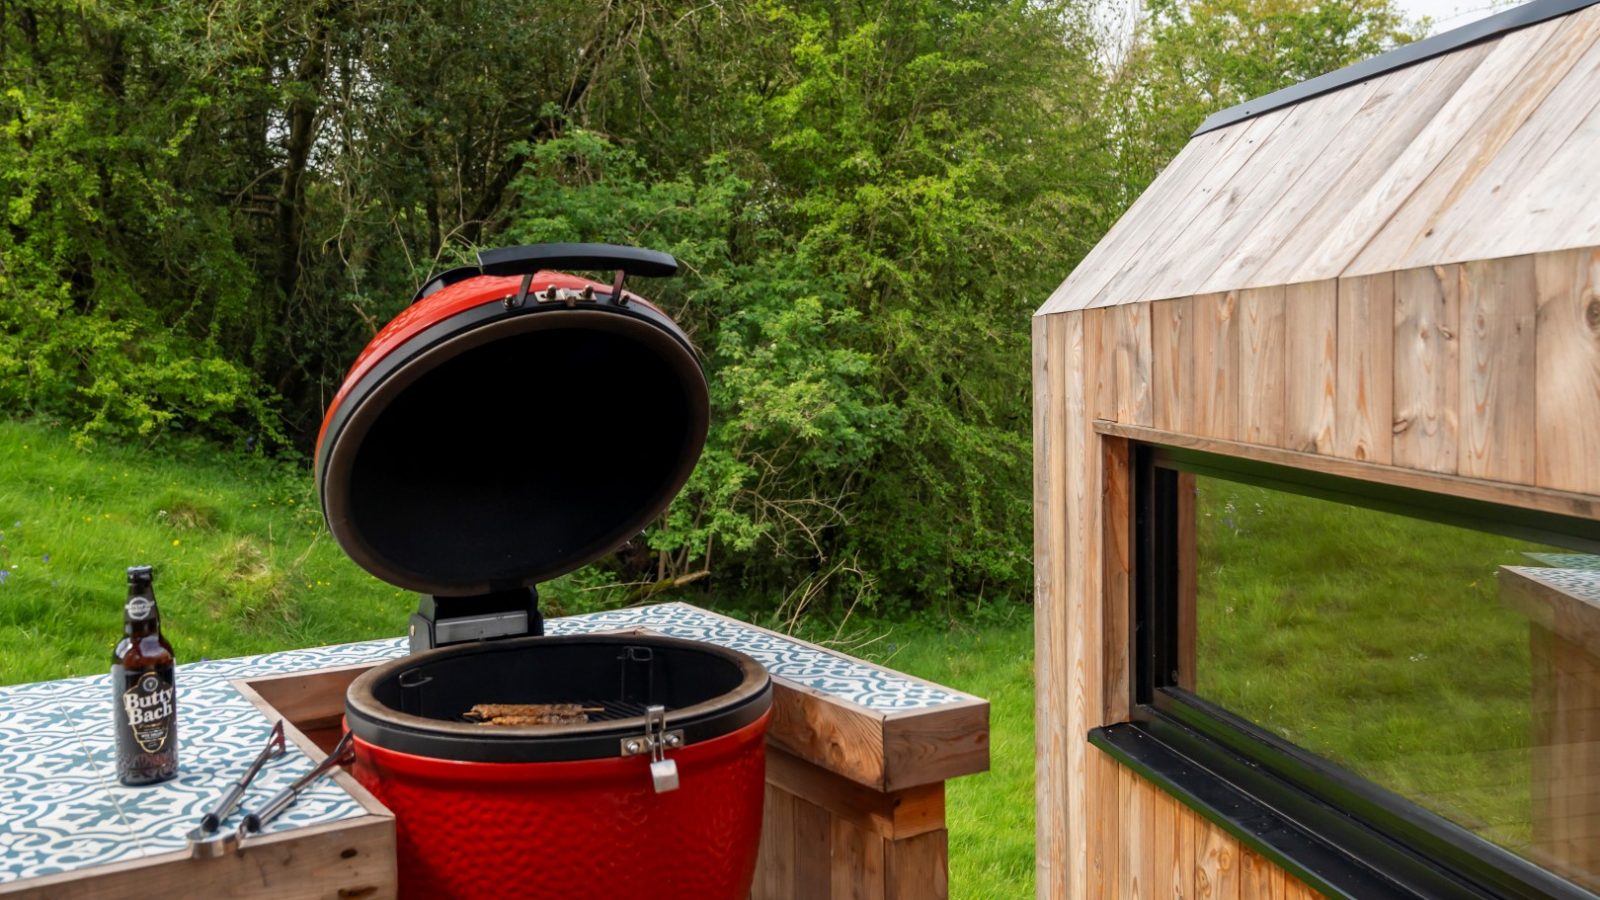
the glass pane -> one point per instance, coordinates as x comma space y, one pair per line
1457, 668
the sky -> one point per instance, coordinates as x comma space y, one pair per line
1448, 14
1118, 16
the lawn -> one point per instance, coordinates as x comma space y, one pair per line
1373, 639
244, 565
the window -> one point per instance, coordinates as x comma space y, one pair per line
1407, 680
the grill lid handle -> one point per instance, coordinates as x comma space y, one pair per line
613, 257
531, 258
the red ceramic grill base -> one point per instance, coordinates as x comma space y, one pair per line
573, 830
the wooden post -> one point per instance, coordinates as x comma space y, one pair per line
1563, 609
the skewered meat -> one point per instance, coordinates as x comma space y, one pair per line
531, 713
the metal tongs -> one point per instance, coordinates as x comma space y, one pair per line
342, 754
204, 839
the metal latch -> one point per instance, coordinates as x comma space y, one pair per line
657, 741
551, 294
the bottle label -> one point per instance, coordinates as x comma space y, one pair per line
139, 608
149, 704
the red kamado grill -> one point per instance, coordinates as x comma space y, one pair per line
511, 425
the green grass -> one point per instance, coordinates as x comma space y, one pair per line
990, 815
245, 565
1376, 640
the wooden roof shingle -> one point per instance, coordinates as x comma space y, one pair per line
1490, 149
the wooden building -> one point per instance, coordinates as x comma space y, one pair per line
1380, 290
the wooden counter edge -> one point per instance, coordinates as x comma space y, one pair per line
349, 858
1565, 503
888, 750
313, 681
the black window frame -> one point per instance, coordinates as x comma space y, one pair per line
1342, 834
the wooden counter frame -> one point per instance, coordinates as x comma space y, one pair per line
1168, 372
344, 860
854, 797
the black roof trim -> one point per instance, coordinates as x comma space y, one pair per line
1454, 39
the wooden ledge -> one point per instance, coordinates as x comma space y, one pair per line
1565, 503
886, 750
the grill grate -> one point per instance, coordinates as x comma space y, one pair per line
614, 710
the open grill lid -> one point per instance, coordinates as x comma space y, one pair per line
513, 424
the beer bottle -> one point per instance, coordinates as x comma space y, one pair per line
142, 690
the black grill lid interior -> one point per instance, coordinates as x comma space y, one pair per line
526, 449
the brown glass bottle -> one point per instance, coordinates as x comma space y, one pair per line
143, 693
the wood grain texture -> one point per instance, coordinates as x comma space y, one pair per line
1311, 366
1295, 145
1058, 400
1364, 399
306, 709
1258, 878
857, 868
352, 858
1502, 210
1427, 369
838, 736
1101, 331
775, 859
1216, 863
1131, 234
1294, 890
1172, 363
1405, 239
1160, 827
1566, 503
1261, 366
1131, 848
1117, 557
887, 751
1498, 310
895, 814
1085, 696
1132, 364
1481, 153
1187, 823
919, 750
813, 850
1340, 128
1216, 358
1105, 826
1408, 113
1149, 260
1567, 378
1543, 205
1367, 214
917, 868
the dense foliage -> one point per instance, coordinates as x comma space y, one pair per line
209, 207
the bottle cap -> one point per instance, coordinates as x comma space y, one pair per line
140, 574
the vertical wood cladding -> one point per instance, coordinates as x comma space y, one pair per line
1487, 369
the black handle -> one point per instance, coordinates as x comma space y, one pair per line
611, 257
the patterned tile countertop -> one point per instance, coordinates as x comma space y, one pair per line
1586, 561
1581, 584
61, 807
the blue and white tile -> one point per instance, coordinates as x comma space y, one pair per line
61, 807
55, 812
843, 677
1583, 584
1587, 561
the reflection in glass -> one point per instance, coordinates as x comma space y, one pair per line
1456, 668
